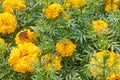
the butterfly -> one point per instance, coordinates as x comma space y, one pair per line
23, 35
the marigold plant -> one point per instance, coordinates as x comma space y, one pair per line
105, 61
79, 39
24, 57
8, 23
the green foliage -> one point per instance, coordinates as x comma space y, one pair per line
78, 29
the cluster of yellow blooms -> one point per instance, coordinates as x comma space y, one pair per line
51, 61
100, 27
108, 61
8, 23
8, 5
75, 3
26, 36
53, 10
24, 57
111, 5
65, 47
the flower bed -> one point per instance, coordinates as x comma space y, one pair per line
59, 39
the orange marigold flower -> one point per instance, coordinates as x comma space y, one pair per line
8, 5
51, 60
8, 23
25, 36
65, 47
24, 57
75, 3
100, 27
53, 10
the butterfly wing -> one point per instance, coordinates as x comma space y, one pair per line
23, 35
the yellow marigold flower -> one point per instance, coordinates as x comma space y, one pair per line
24, 57
111, 5
67, 17
102, 59
65, 47
10, 4
100, 27
25, 36
75, 3
51, 60
8, 23
53, 10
